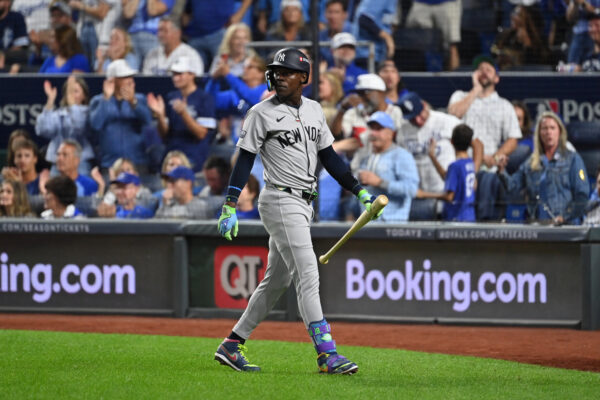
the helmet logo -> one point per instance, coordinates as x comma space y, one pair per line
281, 57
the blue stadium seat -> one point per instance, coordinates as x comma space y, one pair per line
585, 136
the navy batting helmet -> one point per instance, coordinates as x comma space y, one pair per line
290, 58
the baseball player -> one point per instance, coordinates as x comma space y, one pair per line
291, 135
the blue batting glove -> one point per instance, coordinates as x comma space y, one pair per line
367, 200
228, 222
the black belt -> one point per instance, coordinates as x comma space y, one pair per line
306, 194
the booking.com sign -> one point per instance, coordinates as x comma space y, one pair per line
238, 271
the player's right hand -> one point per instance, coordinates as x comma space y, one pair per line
367, 200
228, 222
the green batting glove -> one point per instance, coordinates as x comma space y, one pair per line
228, 222
367, 200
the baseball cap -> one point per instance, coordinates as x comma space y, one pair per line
61, 6
484, 58
294, 3
119, 69
126, 177
343, 39
411, 105
185, 64
370, 82
383, 119
180, 172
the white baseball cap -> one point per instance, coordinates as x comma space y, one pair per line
370, 82
343, 39
294, 3
186, 64
119, 69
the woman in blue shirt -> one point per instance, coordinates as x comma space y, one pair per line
68, 53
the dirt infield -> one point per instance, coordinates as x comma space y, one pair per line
563, 348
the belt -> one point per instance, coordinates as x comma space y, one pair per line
307, 195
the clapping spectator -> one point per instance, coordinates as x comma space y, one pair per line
68, 53
59, 15
126, 188
119, 47
554, 177
183, 203
69, 121
186, 121
118, 115
59, 199
233, 49
14, 201
159, 60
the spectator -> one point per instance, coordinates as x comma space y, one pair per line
205, 22
127, 187
68, 156
68, 53
592, 209
26, 157
343, 48
118, 115
460, 182
18, 135
330, 93
578, 13
14, 201
70, 121
525, 144
233, 49
427, 125
269, 13
291, 25
13, 34
59, 14
374, 21
159, 60
394, 86
554, 177
59, 199
491, 117
444, 15
36, 13
591, 62
143, 17
119, 47
183, 204
246, 205
336, 16
172, 160
216, 172
388, 169
120, 165
186, 121
522, 43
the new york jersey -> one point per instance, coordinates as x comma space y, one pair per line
288, 140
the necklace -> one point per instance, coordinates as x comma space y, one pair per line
297, 115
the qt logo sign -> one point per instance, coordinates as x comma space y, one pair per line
238, 271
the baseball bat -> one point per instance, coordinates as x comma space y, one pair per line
380, 202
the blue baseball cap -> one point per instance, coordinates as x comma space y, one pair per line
382, 119
180, 172
126, 177
411, 105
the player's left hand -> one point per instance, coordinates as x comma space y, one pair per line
367, 200
228, 222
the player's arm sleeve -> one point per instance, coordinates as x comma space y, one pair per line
239, 176
340, 172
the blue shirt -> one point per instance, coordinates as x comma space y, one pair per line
77, 62
13, 31
142, 22
33, 187
460, 180
86, 186
201, 107
238, 99
138, 212
380, 13
252, 214
581, 26
397, 167
208, 16
118, 127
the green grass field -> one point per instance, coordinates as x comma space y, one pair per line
56, 365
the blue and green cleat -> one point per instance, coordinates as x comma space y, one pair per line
232, 354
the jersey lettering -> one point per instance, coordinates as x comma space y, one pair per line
290, 138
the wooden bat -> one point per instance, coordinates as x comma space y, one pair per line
380, 202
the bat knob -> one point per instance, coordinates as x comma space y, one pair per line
323, 260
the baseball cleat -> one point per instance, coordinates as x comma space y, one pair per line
335, 364
232, 354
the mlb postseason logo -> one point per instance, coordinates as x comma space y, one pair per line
237, 272
537, 106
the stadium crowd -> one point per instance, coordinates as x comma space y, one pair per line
124, 154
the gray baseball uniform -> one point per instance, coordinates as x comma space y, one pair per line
288, 140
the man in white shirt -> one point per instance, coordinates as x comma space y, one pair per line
158, 60
492, 118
